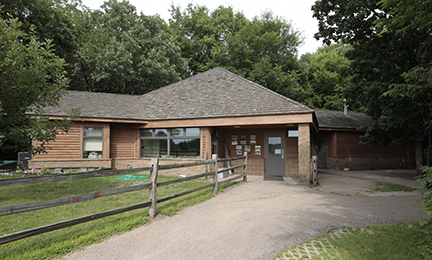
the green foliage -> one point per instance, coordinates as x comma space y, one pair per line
262, 50
382, 60
61, 21
328, 75
200, 32
125, 52
31, 78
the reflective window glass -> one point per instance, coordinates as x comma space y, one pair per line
192, 132
176, 132
146, 132
161, 132
93, 131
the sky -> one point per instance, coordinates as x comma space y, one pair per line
298, 12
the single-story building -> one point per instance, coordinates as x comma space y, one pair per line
215, 112
337, 145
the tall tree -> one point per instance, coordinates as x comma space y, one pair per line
198, 31
128, 53
263, 50
380, 59
61, 21
31, 78
328, 75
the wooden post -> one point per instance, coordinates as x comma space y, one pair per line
153, 192
314, 170
245, 167
215, 178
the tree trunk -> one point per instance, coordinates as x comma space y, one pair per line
419, 155
428, 161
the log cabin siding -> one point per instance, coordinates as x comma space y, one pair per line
66, 146
70, 145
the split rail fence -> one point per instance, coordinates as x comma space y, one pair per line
152, 186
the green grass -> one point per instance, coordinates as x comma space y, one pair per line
57, 243
387, 187
380, 242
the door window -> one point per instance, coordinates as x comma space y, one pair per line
274, 145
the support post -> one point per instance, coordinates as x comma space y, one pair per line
314, 170
153, 192
215, 177
245, 167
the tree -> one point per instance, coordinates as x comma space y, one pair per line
31, 78
198, 31
406, 18
61, 21
328, 75
382, 58
127, 53
263, 50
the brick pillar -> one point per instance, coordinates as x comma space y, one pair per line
205, 142
304, 153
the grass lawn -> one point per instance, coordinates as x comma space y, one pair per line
388, 187
57, 243
387, 242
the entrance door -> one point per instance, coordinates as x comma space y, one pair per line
274, 154
322, 154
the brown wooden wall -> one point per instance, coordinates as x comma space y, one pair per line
347, 144
291, 147
69, 146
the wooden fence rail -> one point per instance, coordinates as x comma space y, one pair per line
7, 210
153, 200
67, 177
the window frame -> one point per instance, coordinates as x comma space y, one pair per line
168, 137
92, 137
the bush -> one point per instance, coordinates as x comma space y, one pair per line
426, 181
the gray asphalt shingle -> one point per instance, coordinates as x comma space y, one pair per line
98, 105
337, 119
217, 93
211, 94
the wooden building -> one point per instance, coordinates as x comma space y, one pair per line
213, 112
338, 145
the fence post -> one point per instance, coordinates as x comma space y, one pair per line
245, 167
153, 192
205, 165
215, 177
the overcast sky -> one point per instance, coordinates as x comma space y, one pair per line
298, 12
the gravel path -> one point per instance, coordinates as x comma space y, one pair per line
257, 220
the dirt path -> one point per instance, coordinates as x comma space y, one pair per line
255, 220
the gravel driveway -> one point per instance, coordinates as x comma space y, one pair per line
258, 219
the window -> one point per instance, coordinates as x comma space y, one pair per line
292, 133
92, 142
169, 143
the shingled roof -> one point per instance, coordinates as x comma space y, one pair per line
98, 105
211, 94
217, 93
337, 119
